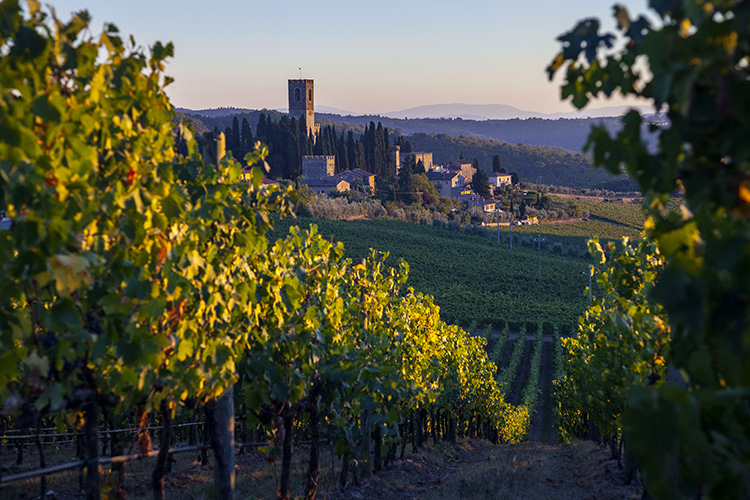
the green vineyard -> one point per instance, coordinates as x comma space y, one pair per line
472, 278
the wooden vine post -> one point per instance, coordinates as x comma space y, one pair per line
91, 439
221, 428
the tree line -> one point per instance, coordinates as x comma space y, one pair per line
288, 141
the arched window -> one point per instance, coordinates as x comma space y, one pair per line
309, 95
297, 96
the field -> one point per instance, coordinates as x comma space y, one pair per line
472, 278
609, 220
582, 230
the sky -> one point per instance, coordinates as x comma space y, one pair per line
369, 57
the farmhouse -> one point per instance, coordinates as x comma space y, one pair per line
498, 180
365, 178
463, 167
326, 184
473, 200
446, 182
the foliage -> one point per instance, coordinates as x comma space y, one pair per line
135, 276
340, 208
506, 376
692, 62
480, 183
621, 341
531, 392
497, 349
115, 284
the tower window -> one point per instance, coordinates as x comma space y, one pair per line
296, 95
309, 95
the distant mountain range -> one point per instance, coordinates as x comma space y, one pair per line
504, 112
479, 112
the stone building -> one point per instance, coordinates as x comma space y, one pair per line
463, 167
425, 158
446, 183
302, 103
396, 150
326, 185
363, 177
318, 166
499, 181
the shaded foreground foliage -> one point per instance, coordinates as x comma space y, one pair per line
690, 434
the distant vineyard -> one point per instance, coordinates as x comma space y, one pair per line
582, 229
472, 278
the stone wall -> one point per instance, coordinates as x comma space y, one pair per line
425, 158
318, 166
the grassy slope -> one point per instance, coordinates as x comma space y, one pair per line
470, 277
580, 231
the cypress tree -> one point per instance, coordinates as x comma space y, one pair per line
228, 138
307, 143
235, 144
262, 130
359, 156
293, 159
496, 164
379, 152
246, 138
342, 155
419, 169
351, 150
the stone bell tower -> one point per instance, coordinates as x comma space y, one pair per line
301, 102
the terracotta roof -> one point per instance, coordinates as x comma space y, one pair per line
325, 182
363, 172
441, 176
353, 175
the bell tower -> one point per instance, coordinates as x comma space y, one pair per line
302, 103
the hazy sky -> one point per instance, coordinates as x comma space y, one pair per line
365, 57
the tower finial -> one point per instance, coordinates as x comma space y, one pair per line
300, 73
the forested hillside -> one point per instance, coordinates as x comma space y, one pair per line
555, 166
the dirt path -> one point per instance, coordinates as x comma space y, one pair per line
474, 470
